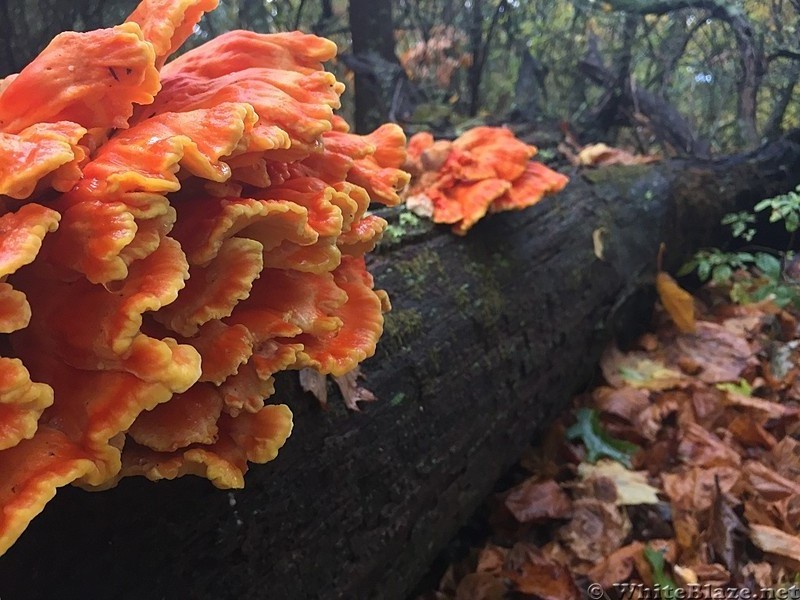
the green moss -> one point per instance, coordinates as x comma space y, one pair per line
420, 271
406, 223
487, 295
400, 326
616, 174
462, 298
397, 399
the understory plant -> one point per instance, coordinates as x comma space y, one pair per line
754, 273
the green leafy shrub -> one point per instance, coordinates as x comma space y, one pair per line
753, 276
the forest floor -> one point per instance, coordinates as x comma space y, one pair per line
677, 476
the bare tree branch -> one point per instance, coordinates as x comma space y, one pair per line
751, 56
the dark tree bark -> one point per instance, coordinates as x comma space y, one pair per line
372, 31
489, 337
480, 49
774, 123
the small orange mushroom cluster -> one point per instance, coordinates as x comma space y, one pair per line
487, 169
172, 235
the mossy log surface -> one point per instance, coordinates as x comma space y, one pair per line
489, 337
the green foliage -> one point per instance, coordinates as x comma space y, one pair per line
664, 582
742, 388
752, 277
716, 265
785, 207
597, 440
741, 224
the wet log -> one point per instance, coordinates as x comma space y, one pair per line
489, 337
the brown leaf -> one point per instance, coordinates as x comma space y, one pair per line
678, 303
775, 541
786, 458
693, 488
759, 573
687, 533
708, 404
772, 513
702, 448
651, 419
625, 402
631, 486
351, 391
596, 529
769, 484
766, 408
481, 586
638, 369
536, 500
491, 559
618, 566
713, 575
533, 573
751, 434
722, 355
602, 155
726, 531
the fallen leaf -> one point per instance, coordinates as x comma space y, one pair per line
351, 391
616, 567
786, 458
316, 383
537, 500
596, 529
602, 155
597, 242
775, 541
751, 434
533, 573
769, 484
713, 575
665, 583
480, 586
637, 369
771, 410
632, 486
643, 565
650, 419
625, 402
694, 488
721, 354
598, 443
491, 559
760, 573
726, 531
700, 447
678, 303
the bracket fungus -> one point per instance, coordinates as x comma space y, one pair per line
487, 169
172, 234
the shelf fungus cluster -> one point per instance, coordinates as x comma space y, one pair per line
171, 235
487, 169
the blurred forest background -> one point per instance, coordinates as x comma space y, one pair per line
676, 77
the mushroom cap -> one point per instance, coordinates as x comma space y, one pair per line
486, 169
185, 250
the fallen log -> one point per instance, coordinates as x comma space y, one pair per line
489, 337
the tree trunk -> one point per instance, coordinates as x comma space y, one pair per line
489, 338
372, 31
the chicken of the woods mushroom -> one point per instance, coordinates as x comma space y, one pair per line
172, 234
